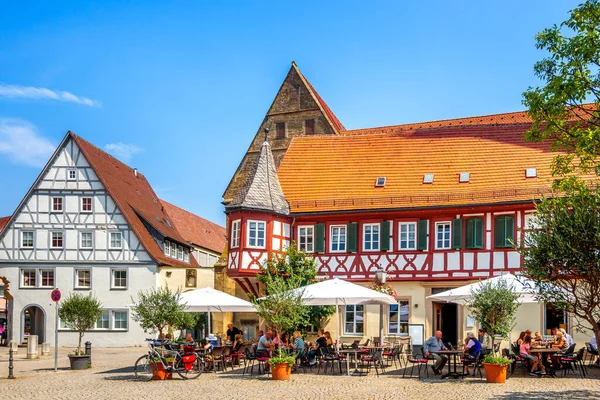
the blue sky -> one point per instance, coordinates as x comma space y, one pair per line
178, 89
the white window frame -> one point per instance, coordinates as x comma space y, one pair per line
62, 238
235, 233
113, 320
74, 178
22, 278
399, 323
110, 240
180, 252
437, 240
112, 279
32, 240
354, 332
76, 283
108, 320
309, 232
374, 244
91, 246
62, 204
91, 210
41, 277
407, 240
257, 231
186, 255
338, 236
167, 247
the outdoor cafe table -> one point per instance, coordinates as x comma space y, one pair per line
544, 352
354, 354
452, 364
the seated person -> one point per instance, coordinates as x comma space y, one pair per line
562, 345
432, 345
537, 338
212, 340
265, 345
567, 337
298, 344
473, 347
259, 335
521, 337
321, 342
328, 338
238, 342
484, 339
525, 350
284, 339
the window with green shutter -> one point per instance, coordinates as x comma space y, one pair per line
320, 238
474, 233
384, 236
422, 230
457, 233
504, 231
352, 236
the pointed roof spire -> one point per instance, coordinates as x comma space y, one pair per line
262, 190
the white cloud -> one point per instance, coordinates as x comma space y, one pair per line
35, 93
123, 151
20, 142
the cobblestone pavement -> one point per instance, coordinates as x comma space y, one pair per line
112, 378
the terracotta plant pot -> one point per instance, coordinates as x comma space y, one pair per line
281, 372
495, 373
162, 373
79, 362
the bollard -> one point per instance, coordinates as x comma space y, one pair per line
88, 352
32, 347
45, 349
10, 363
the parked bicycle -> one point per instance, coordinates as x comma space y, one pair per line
186, 362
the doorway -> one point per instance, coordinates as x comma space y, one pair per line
33, 322
554, 318
445, 319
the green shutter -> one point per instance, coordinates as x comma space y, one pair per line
384, 236
422, 226
352, 237
478, 233
499, 232
509, 231
320, 238
457, 233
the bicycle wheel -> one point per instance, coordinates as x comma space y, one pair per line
193, 373
144, 369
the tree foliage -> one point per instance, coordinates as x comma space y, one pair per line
494, 305
80, 313
565, 108
159, 308
299, 269
563, 254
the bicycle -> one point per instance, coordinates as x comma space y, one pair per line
187, 363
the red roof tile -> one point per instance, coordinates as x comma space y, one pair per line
195, 229
135, 198
3, 222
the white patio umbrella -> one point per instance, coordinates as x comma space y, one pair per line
336, 292
211, 300
462, 295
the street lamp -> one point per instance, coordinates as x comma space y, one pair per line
381, 275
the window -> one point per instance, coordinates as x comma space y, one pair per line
531, 225
371, 237
407, 236
120, 319
398, 318
256, 234
306, 238
380, 181
57, 240
442, 230
47, 276
504, 231
180, 252
83, 279
119, 279
191, 276
57, 204
28, 277
72, 174
235, 234
173, 250
116, 241
186, 254
86, 204
167, 248
104, 320
354, 319
309, 126
338, 238
27, 239
86, 240
280, 128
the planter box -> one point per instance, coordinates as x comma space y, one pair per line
495, 373
281, 372
79, 362
161, 374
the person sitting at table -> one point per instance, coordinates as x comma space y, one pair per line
537, 338
328, 339
432, 345
561, 344
525, 350
232, 332
521, 337
265, 344
238, 342
298, 344
567, 337
284, 339
473, 347
321, 342
484, 339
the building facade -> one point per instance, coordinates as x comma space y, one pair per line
436, 205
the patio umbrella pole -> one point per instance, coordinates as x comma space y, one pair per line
337, 324
381, 333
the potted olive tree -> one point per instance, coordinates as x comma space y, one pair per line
494, 305
80, 313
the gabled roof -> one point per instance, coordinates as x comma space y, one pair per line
261, 191
135, 197
3, 222
338, 172
196, 230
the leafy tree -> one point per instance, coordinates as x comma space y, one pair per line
494, 305
299, 268
191, 320
80, 313
565, 108
157, 309
562, 255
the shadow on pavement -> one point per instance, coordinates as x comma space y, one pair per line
567, 394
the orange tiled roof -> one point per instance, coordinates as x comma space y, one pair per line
338, 172
195, 229
135, 198
3, 222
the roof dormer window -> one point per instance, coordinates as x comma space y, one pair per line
380, 182
428, 178
531, 173
464, 177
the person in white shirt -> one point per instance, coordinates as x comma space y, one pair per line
568, 337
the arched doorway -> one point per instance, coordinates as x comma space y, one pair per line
33, 322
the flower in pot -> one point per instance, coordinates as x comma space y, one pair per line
80, 313
281, 366
495, 368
